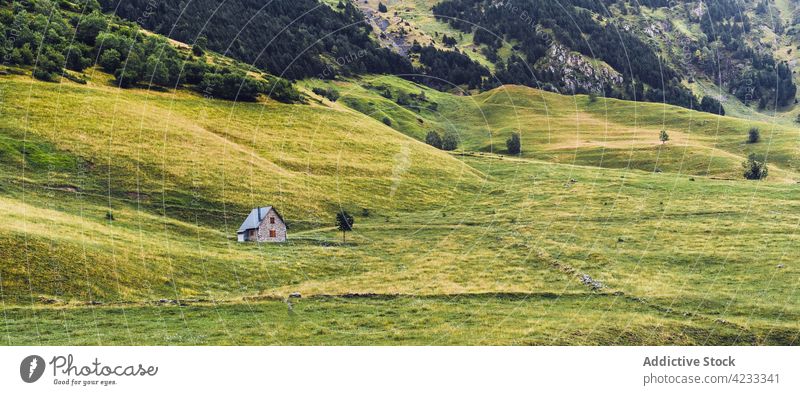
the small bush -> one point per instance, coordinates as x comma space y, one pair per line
711, 105
663, 136
753, 136
282, 90
450, 141
755, 169
382, 8
110, 60
513, 144
199, 47
328, 93
387, 121
434, 139
232, 86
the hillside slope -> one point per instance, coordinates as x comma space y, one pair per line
178, 173
578, 129
739, 53
127, 200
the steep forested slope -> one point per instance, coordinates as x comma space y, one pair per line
294, 39
55, 40
652, 45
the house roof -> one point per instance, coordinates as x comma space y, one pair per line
253, 220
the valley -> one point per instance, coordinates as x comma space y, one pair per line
618, 222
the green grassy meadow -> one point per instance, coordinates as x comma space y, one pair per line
467, 247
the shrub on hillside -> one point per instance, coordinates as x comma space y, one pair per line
344, 222
753, 136
110, 60
89, 27
193, 72
48, 68
711, 105
283, 91
75, 59
754, 168
513, 144
663, 136
130, 71
231, 86
434, 139
328, 93
199, 47
449, 141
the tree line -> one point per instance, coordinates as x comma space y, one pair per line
294, 39
589, 27
53, 37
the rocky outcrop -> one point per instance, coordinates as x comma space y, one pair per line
578, 73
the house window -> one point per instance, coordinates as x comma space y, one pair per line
272, 233
272, 220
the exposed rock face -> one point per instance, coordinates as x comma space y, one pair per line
577, 73
381, 24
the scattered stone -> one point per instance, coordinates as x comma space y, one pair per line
44, 300
781, 266
295, 295
589, 281
620, 240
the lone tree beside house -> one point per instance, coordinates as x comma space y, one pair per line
344, 222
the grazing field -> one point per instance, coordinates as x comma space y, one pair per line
120, 209
579, 130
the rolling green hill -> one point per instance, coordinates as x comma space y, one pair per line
444, 244
578, 129
120, 209
176, 170
739, 52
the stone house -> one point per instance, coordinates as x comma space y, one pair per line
263, 225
